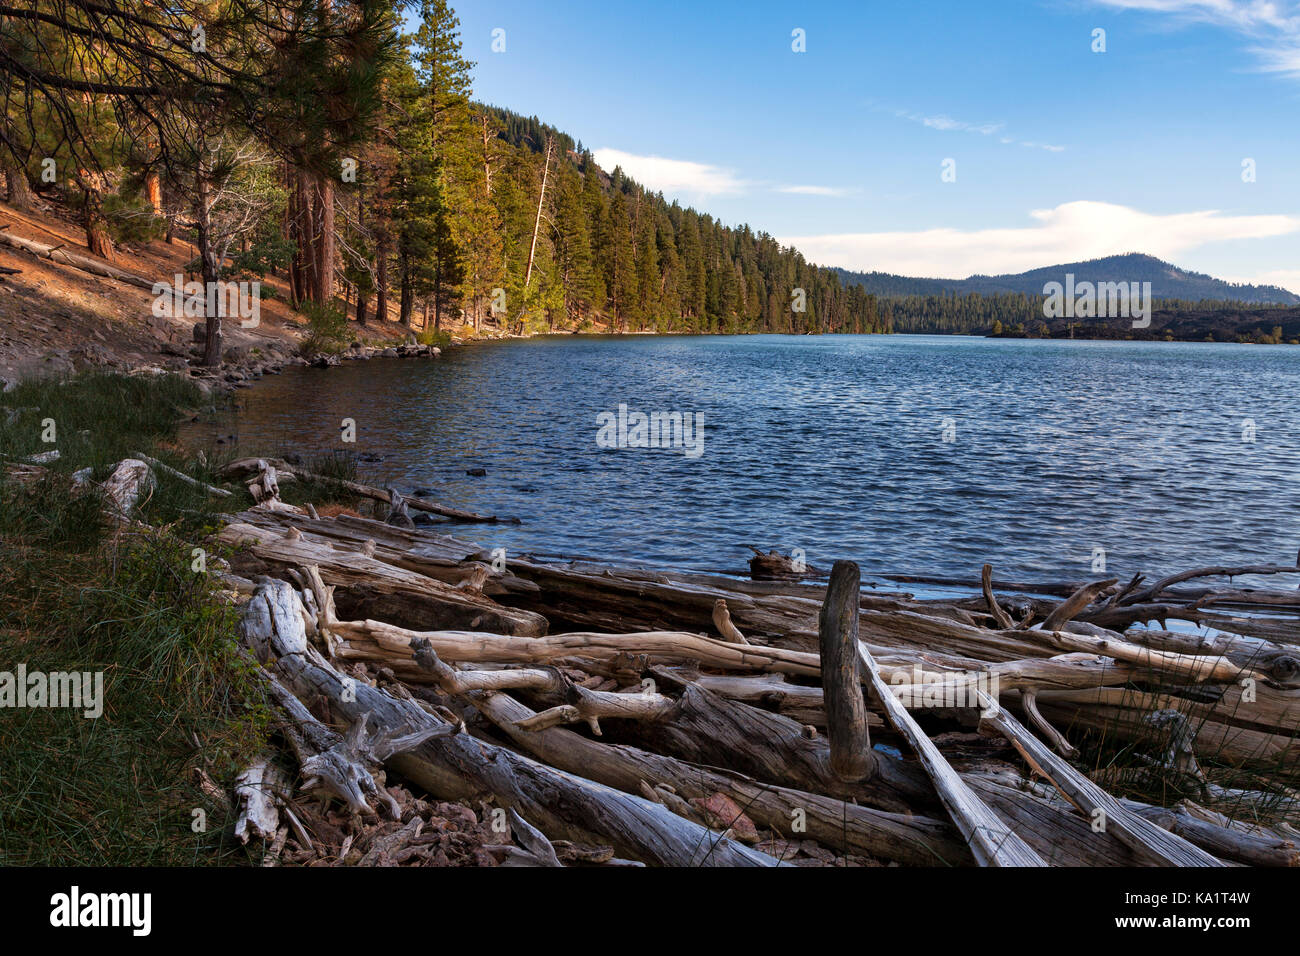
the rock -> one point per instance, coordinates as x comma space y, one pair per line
721, 812
389, 353
476, 472
91, 356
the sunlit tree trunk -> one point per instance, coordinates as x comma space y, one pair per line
98, 241
19, 190
324, 194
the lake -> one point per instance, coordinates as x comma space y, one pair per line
920, 454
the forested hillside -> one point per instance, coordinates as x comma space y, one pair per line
974, 303
1015, 313
319, 141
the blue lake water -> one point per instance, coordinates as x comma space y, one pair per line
918, 454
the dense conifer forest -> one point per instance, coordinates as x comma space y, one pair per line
323, 142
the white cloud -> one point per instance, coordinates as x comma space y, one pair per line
945, 123
672, 176
1067, 233
1272, 25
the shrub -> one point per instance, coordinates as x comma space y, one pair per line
435, 337
327, 329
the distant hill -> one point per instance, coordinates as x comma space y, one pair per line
1167, 281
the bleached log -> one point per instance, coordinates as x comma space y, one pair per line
1159, 587
398, 513
123, 488
258, 789
722, 621
1261, 734
64, 257
1143, 837
1076, 602
245, 465
1215, 833
988, 837
580, 704
368, 585
905, 838
1000, 616
450, 767
203, 486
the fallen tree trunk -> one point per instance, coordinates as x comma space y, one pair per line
987, 836
64, 257
451, 766
369, 586
1149, 841
248, 465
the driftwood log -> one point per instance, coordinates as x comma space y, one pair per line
675, 718
450, 765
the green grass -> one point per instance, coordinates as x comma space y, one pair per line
81, 595
1120, 757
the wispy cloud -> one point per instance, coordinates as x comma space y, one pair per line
814, 190
1067, 233
684, 177
1272, 27
672, 176
945, 123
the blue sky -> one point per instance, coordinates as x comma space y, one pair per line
1060, 152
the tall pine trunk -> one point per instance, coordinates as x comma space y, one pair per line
408, 291
210, 269
19, 189
153, 191
302, 222
98, 241
325, 243
381, 280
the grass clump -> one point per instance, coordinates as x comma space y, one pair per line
179, 699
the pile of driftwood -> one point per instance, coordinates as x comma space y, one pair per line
603, 715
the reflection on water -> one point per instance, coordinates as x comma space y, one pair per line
836, 445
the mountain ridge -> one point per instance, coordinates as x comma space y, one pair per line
1168, 281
